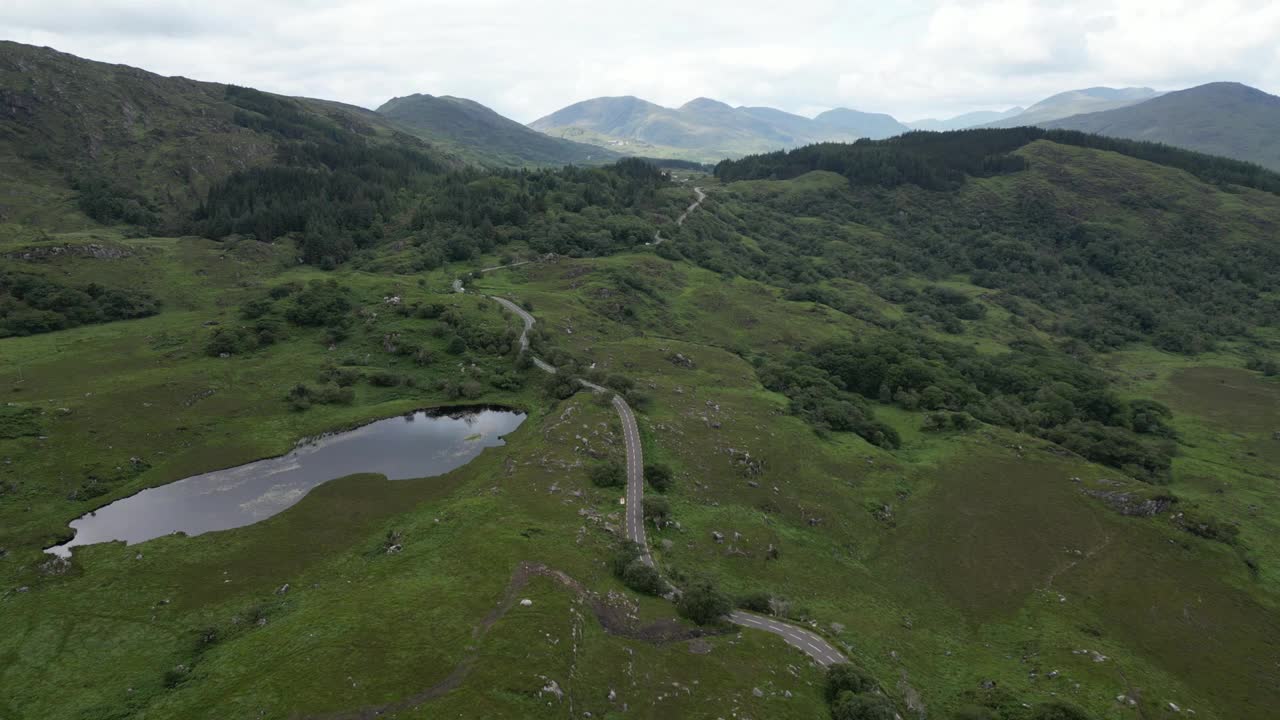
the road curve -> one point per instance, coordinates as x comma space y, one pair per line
808, 642
658, 239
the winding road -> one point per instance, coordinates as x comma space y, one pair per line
808, 642
657, 235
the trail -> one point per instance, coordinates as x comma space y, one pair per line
658, 239
807, 641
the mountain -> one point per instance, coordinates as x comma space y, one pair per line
1223, 118
475, 132
704, 129
876, 126
158, 144
966, 120
1074, 102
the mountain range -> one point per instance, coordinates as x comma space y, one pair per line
474, 132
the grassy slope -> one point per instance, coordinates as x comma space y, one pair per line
1227, 119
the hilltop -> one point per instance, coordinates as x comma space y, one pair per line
1227, 119
476, 133
1075, 102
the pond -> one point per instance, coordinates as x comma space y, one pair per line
421, 444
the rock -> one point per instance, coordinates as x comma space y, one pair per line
987, 684
837, 628
1173, 707
394, 548
757, 692
613, 695
23, 589
1052, 674
717, 536
526, 602
282, 589
786, 694
553, 688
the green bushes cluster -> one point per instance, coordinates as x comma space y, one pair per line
31, 304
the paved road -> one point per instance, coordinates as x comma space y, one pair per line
810, 643
807, 641
658, 239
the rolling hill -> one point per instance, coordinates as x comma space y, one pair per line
1074, 102
477, 133
966, 120
705, 130
157, 143
1227, 119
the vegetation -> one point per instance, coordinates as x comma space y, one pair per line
703, 603
32, 304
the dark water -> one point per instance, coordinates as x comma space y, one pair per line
402, 447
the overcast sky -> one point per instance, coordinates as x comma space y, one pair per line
910, 58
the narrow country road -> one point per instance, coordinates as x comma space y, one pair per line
808, 642
658, 239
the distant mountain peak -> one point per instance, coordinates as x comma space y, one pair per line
706, 103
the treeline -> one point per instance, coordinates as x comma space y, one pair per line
32, 304
942, 161
337, 191
1032, 389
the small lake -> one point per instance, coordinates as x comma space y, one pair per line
422, 444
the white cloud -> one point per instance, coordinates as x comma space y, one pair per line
526, 59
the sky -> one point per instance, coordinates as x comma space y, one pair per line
525, 59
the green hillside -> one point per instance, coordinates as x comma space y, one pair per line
990, 412
1227, 119
148, 147
1074, 102
473, 131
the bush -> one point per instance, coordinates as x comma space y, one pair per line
230, 341
657, 509
608, 475
1058, 711
851, 706
659, 477
323, 302
643, 578
847, 677
384, 378
703, 603
761, 602
625, 552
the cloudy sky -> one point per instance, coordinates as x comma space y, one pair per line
911, 58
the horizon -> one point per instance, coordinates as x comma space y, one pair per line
914, 61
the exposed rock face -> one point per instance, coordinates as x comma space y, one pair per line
1131, 504
91, 250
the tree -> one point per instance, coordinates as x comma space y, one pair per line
865, 706
608, 475
643, 578
658, 476
657, 509
703, 603
843, 677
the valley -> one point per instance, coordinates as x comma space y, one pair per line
968, 425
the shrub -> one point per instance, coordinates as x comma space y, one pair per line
657, 509
1057, 711
608, 475
643, 578
847, 677
384, 378
230, 341
761, 602
323, 302
659, 477
703, 603
625, 552
851, 706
